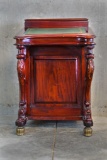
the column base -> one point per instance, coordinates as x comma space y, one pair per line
20, 131
88, 131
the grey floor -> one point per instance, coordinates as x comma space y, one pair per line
51, 140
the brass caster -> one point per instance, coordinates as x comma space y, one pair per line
88, 131
20, 131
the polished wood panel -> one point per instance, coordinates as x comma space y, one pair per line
58, 87
57, 23
55, 110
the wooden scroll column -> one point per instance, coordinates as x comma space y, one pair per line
87, 118
21, 69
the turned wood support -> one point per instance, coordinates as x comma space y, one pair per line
21, 69
87, 118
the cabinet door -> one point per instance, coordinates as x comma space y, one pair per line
56, 83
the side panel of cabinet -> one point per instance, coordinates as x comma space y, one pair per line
56, 82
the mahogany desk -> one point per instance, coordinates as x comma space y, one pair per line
55, 68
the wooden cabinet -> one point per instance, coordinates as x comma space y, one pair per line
55, 69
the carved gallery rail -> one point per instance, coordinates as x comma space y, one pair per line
55, 69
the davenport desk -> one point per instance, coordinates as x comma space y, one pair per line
55, 69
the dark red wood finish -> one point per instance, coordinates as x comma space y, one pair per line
57, 23
55, 72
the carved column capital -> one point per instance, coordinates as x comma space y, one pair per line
21, 52
90, 46
90, 49
20, 47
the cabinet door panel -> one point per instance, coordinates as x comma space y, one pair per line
55, 80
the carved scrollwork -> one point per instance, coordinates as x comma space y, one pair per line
21, 121
90, 69
89, 75
21, 71
87, 115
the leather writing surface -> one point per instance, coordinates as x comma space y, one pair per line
54, 30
